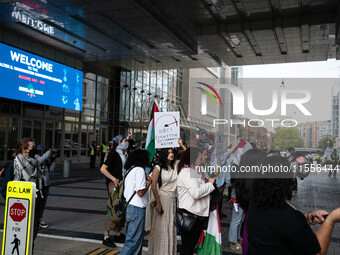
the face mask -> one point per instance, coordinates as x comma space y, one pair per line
32, 152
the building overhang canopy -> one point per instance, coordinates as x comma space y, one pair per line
160, 34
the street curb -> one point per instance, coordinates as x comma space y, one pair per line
73, 180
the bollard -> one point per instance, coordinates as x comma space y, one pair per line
67, 166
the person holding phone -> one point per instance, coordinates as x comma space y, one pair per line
162, 238
275, 226
193, 196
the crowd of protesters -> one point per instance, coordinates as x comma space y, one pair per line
263, 220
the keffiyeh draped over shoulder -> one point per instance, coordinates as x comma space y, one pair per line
28, 169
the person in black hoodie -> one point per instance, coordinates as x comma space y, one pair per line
112, 170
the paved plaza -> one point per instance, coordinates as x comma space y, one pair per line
75, 212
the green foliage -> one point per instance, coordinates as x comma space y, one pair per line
287, 137
323, 143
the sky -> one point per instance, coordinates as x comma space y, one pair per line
318, 78
317, 69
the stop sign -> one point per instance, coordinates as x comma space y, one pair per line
17, 212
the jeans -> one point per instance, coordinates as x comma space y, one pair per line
235, 225
135, 220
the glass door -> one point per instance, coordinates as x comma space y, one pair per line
3, 147
12, 136
9, 137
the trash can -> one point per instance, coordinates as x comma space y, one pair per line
67, 166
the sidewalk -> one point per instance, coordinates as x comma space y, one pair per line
76, 212
79, 172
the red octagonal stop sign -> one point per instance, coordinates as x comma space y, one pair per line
17, 212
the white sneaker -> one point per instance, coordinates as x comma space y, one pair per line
43, 224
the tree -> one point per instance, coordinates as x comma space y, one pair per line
325, 142
286, 137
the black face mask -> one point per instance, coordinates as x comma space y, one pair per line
32, 152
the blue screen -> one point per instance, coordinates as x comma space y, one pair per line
31, 78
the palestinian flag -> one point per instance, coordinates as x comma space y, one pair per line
150, 138
210, 242
242, 147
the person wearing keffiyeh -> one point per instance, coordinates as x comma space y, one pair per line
27, 168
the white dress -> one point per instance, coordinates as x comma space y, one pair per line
162, 237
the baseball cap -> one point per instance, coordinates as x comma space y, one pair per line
41, 147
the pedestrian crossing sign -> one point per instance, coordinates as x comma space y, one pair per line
19, 218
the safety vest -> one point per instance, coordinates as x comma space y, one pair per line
317, 157
334, 158
92, 150
104, 148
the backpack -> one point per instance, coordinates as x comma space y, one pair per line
116, 203
9, 176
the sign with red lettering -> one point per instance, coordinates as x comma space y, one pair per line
19, 218
17, 212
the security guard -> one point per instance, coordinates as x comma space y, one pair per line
93, 153
335, 161
318, 158
103, 151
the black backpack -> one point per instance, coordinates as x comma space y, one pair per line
8, 176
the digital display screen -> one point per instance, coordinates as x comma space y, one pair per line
31, 78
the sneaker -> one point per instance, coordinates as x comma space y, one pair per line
118, 239
108, 242
240, 241
43, 225
235, 247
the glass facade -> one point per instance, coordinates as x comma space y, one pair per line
138, 91
335, 116
236, 79
69, 131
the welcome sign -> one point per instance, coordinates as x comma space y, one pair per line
31, 78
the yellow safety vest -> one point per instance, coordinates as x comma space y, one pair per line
104, 148
92, 150
334, 158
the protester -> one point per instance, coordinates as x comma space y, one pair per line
251, 158
335, 162
122, 145
234, 236
103, 150
112, 170
136, 186
291, 158
162, 238
27, 168
223, 179
275, 226
47, 163
193, 196
93, 153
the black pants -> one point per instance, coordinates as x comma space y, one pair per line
334, 170
92, 161
190, 239
46, 192
220, 198
38, 205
